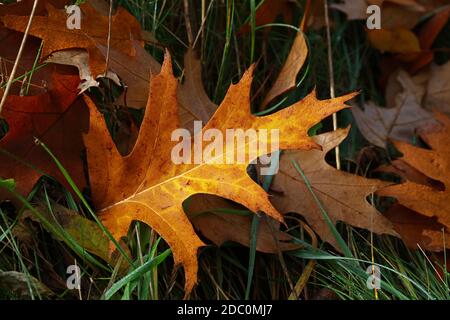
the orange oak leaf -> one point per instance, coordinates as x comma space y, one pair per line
146, 185
394, 40
432, 199
56, 36
342, 194
55, 117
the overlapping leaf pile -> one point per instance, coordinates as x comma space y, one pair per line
140, 182
423, 197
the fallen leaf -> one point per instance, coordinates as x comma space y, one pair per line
427, 35
37, 82
286, 79
57, 119
354, 9
429, 32
23, 7
394, 13
378, 125
40, 78
438, 89
394, 40
20, 283
405, 171
316, 14
413, 50
80, 59
94, 30
147, 186
343, 195
134, 72
204, 213
428, 201
399, 81
192, 96
85, 232
417, 230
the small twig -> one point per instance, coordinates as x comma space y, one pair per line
331, 74
202, 26
109, 36
188, 23
19, 55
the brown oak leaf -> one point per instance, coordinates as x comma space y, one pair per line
399, 122
208, 215
342, 194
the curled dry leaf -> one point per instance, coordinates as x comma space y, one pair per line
80, 59
428, 200
286, 79
343, 195
147, 186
